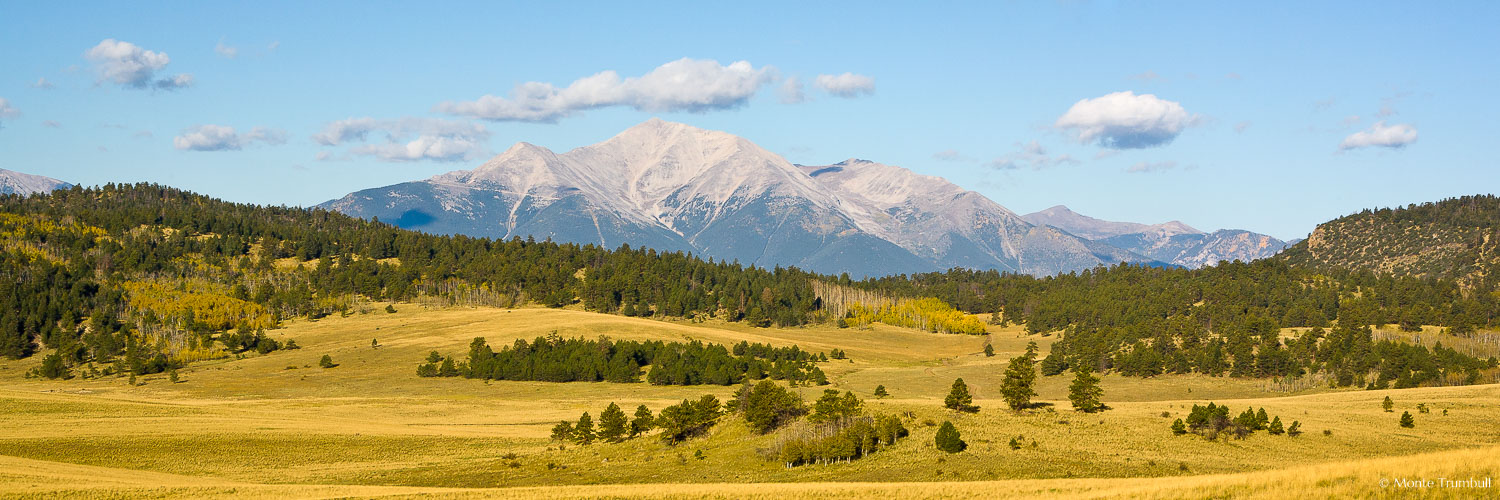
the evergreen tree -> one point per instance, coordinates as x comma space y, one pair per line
1295, 429
1275, 427
880, 391
612, 424
1020, 380
1261, 419
326, 362
989, 350
768, 405
583, 431
643, 421
1407, 420
563, 431
948, 439
1178, 428
1388, 404
1085, 392
959, 398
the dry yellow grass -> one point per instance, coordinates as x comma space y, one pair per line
370, 427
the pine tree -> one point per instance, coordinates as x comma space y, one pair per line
959, 398
989, 350
1020, 378
1085, 391
643, 421
1275, 427
880, 391
1407, 420
1261, 420
1388, 404
583, 432
612, 424
948, 439
1295, 429
1178, 428
563, 431
326, 362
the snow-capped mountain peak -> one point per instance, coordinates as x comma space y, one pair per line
12, 182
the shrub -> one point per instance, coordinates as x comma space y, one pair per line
948, 439
1387, 405
1295, 429
390, 309
1407, 420
1178, 428
326, 362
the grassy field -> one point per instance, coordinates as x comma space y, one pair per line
278, 425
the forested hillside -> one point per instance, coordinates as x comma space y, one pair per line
1456, 238
145, 272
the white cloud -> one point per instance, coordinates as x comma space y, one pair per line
1124, 120
42, 83
273, 45
407, 139
1241, 127
223, 138
1032, 155
847, 85
693, 85
51, 124
1147, 167
226, 51
6, 110
1382, 135
791, 91
133, 67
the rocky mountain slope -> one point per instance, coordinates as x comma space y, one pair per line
1171, 242
674, 187
12, 182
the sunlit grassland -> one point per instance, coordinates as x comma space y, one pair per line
277, 424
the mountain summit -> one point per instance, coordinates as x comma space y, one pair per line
675, 187
12, 182
1171, 242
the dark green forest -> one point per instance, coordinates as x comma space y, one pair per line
555, 359
143, 278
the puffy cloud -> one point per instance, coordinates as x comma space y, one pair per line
226, 51
223, 138
42, 83
133, 67
791, 91
1034, 156
693, 85
1124, 120
847, 85
1382, 135
407, 139
1147, 167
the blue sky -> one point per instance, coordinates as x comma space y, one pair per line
1267, 117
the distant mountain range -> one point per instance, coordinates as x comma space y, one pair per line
1171, 242
674, 187
12, 182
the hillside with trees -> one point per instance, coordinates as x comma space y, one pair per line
1455, 239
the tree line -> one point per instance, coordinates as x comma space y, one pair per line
556, 359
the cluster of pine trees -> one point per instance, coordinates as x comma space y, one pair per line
1213, 420
613, 427
555, 359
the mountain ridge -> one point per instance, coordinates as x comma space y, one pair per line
675, 187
